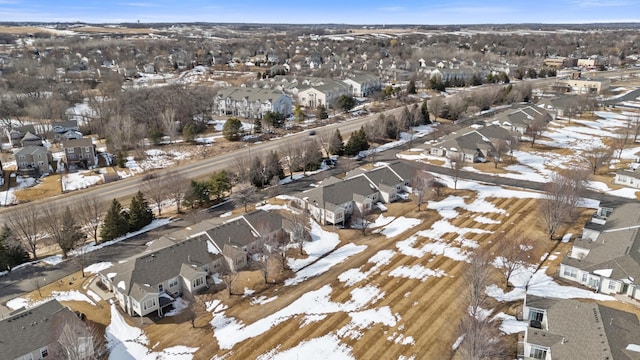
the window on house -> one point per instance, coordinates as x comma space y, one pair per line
535, 314
537, 352
570, 272
70, 150
584, 277
197, 282
613, 285
173, 282
44, 352
86, 149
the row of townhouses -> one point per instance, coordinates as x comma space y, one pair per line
335, 200
185, 262
477, 143
281, 92
607, 256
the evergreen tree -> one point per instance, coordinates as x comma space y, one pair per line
72, 235
357, 142
220, 184
11, 252
257, 126
346, 102
273, 168
198, 194
231, 129
140, 213
321, 112
424, 110
298, 114
189, 132
257, 173
336, 144
411, 87
115, 222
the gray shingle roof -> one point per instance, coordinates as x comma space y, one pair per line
252, 94
341, 192
153, 267
585, 330
617, 247
27, 330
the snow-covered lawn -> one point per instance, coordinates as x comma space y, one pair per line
79, 180
322, 243
72, 295
129, 342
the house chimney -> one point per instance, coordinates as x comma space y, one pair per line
189, 258
564, 340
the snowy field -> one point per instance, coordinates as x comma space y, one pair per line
577, 135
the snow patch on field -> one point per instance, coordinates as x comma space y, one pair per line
229, 331
129, 342
322, 243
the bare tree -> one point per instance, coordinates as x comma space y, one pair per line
298, 232
513, 256
500, 149
482, 340
89, 210
241, 167
362, 218
435, 106
562, 196
291, 154
243, 194
421, 186
156, 188
169, 123
477, 277
596, 157
456, 163
536, 128
513, 143
79, 340
25, 222
177, 187
61, 227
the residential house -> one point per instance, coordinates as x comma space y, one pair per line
326, 94
251, 102
335, 200
607, 256
33, 160
466, 143
628, 177
573, 329
71, 135
243, 236
364, 84
30, 139
80, 153
28, 334
16, 134
61, 127
519, 119
391, 179
150, 282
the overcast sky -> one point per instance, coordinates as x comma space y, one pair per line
327, 11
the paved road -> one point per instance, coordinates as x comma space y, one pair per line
128, 187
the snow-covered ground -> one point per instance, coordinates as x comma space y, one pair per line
129, 342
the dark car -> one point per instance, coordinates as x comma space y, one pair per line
312, 132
